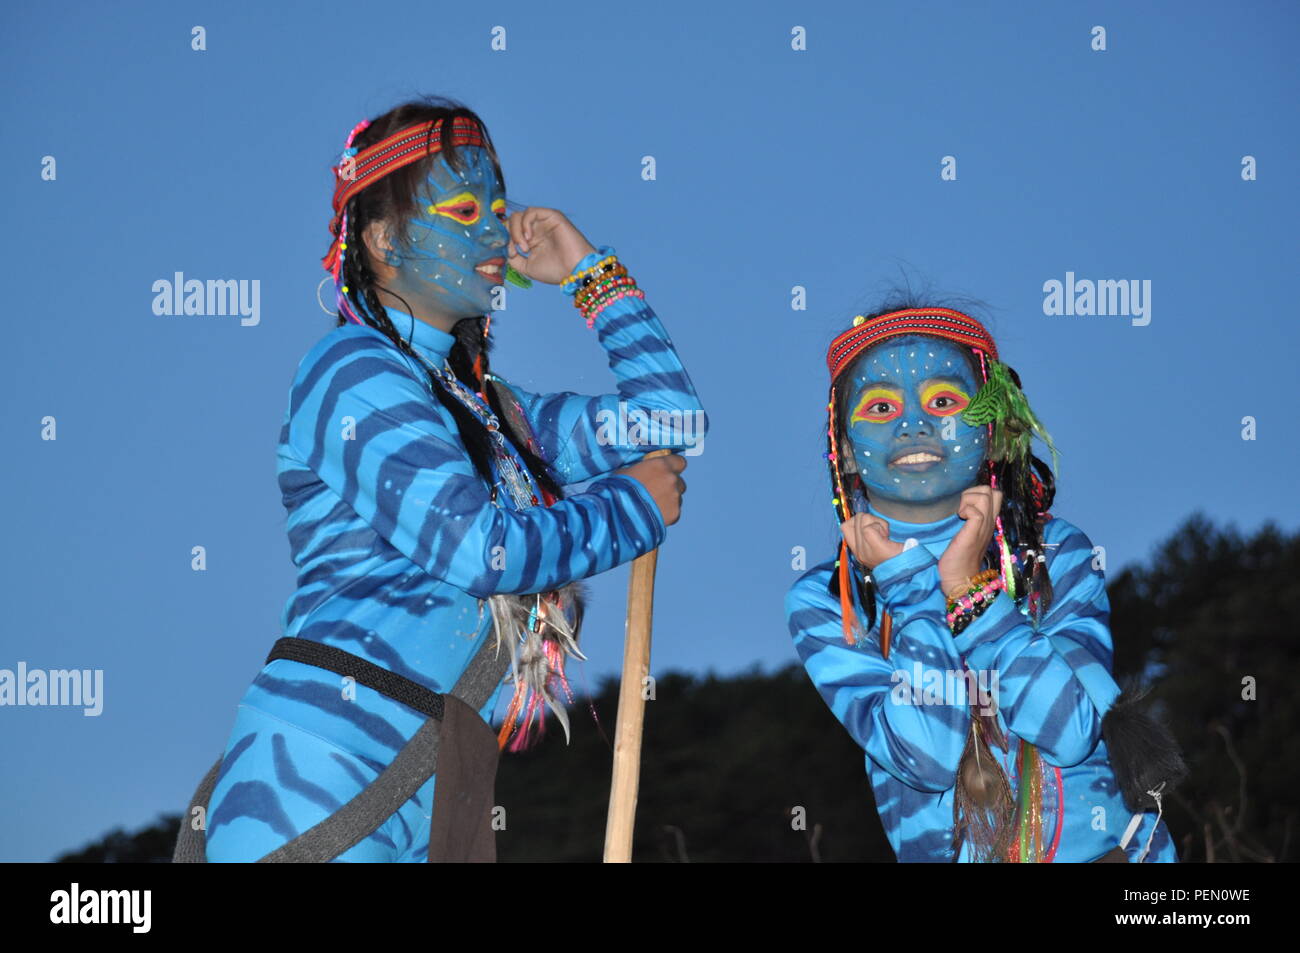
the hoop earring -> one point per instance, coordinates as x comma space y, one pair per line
332, 314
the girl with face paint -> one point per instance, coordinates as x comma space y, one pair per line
425, 495
982, 742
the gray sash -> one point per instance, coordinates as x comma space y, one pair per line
462, 832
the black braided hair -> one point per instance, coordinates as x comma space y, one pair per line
392, 200
1024, 498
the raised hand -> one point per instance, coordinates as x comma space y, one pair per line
868, 539
979, 507
553, 244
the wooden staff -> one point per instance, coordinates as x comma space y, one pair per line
631, 706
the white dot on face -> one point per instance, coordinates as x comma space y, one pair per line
956, 449
867, 452
895, 479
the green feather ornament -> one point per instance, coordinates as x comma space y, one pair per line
515, 278
1003, 404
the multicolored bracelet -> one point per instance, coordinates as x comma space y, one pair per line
966, 608
600, 284
587, 266
975, 582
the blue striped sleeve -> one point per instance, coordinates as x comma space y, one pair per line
656, 405
1040, 698
914, 735
372, 432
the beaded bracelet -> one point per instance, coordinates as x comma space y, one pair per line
607, 289
593, 285
602, 255
970, 607
975, 582
974, 594
609, 282
596, 294
963, 619
610, 299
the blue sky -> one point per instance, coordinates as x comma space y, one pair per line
775, 168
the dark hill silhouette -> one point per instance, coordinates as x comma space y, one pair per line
727, 760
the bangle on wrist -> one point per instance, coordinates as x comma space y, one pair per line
588, 265
599, 285
966, 608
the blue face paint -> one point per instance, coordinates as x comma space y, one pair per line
903, 420
456, 249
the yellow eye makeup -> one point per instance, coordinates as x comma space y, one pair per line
878, 405
499, 207
944, 399
462, 207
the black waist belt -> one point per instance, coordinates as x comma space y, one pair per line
390, 684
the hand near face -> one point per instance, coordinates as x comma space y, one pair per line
868, 539
979, 507
553, 245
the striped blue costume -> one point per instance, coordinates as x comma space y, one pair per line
397, 543
913, 748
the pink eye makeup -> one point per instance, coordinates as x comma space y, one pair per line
878, 405
944, 399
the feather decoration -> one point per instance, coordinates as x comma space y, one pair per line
983, 806
1003, 404
540, 630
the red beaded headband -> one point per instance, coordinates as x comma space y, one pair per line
937, 322
373, 163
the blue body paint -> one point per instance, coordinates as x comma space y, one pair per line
905, 398
459, 225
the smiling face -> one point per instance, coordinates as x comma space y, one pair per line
902, 418
455, 250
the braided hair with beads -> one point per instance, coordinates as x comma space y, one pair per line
388, 157
985, 811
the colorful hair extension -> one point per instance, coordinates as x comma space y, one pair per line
984, 809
